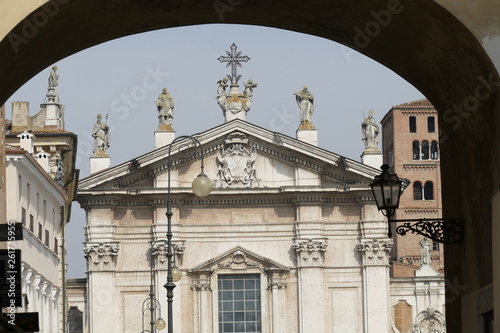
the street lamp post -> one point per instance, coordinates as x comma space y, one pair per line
202, 186
387, 190
151, 303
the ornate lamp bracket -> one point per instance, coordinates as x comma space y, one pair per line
445, 231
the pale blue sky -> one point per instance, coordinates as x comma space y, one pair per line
123, 78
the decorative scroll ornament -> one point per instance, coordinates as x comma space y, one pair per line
446, 231
375, 251
238, 260
102, 255
235, 163
310, 252
429, 321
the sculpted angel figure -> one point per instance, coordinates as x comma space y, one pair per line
221, 93
165, 105
248, 92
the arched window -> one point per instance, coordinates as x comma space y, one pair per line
434, 150
425, 150
416, 150
417, 190
75, 320
429, 191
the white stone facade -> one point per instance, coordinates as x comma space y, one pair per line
36, 201
296, 222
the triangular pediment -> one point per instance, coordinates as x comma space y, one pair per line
238, 259
278, 157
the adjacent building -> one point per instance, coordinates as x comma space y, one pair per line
410, 147
40, 185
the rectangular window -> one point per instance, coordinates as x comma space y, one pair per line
23, 216
47, 238
488, 321
40, 232
413, 124
56, 246
32, 223
239, 303
435, 245
431, 124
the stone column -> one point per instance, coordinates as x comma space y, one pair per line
203, 305
376, 290
278, 303
101, 266
310, 260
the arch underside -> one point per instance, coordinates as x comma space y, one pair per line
419, 40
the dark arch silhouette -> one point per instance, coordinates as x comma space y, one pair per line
419, 40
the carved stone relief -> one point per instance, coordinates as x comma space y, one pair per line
101, 256
238, 260
375, 251
235, 163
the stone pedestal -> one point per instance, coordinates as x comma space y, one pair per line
373, 158
308, 135
163, 138
98, 163
426, 270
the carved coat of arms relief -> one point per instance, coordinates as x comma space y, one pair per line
235, 163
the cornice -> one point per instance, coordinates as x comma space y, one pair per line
224, 197
154, 162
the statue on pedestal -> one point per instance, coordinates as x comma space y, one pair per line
100, 133
426, 253
165, 105
305, 101
370, 131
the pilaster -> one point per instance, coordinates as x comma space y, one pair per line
101, 264
202, 293
375, 266
310, 260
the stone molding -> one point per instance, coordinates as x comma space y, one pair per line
375, 251
101, 256
310, 252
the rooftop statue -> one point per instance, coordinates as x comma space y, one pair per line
305, 101
165, 106
100, 133
370, 132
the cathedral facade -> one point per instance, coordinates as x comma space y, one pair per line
289, 240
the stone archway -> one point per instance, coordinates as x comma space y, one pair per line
419, 40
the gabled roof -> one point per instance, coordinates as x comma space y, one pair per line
274, 144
